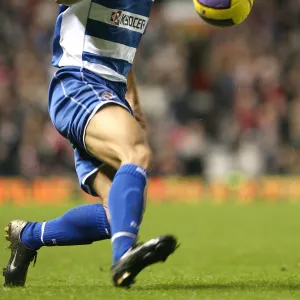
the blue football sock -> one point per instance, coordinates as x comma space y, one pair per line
79, 226
126, 206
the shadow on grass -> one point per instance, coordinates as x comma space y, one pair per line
253, 285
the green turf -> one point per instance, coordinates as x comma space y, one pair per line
227, 252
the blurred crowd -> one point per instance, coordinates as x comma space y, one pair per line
217, 101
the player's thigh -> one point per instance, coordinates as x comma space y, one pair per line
114, 136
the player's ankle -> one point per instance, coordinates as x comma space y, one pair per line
122, 245
31, 236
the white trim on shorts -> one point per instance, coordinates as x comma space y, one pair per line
89, 175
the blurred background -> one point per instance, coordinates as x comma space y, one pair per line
218, 101
223, 107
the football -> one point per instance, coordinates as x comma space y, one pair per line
223, 13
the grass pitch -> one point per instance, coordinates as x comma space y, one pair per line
227, 252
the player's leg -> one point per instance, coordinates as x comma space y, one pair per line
101, 184
71, 102
79, 226
114, 136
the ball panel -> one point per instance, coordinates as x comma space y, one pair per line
240, 10
219, 23
212, 13
216, 3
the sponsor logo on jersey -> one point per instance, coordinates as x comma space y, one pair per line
115, 17
129, 21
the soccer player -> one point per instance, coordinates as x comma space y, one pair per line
94, 47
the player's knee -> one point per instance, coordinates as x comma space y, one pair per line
139, 154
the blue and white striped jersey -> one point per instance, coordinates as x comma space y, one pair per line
100, 35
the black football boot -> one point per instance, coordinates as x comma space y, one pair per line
139, 257
15, 272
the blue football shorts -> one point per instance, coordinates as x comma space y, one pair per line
75, 95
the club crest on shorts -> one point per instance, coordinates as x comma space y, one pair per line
107, 95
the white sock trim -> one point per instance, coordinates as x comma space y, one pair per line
123, 233
42, 233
